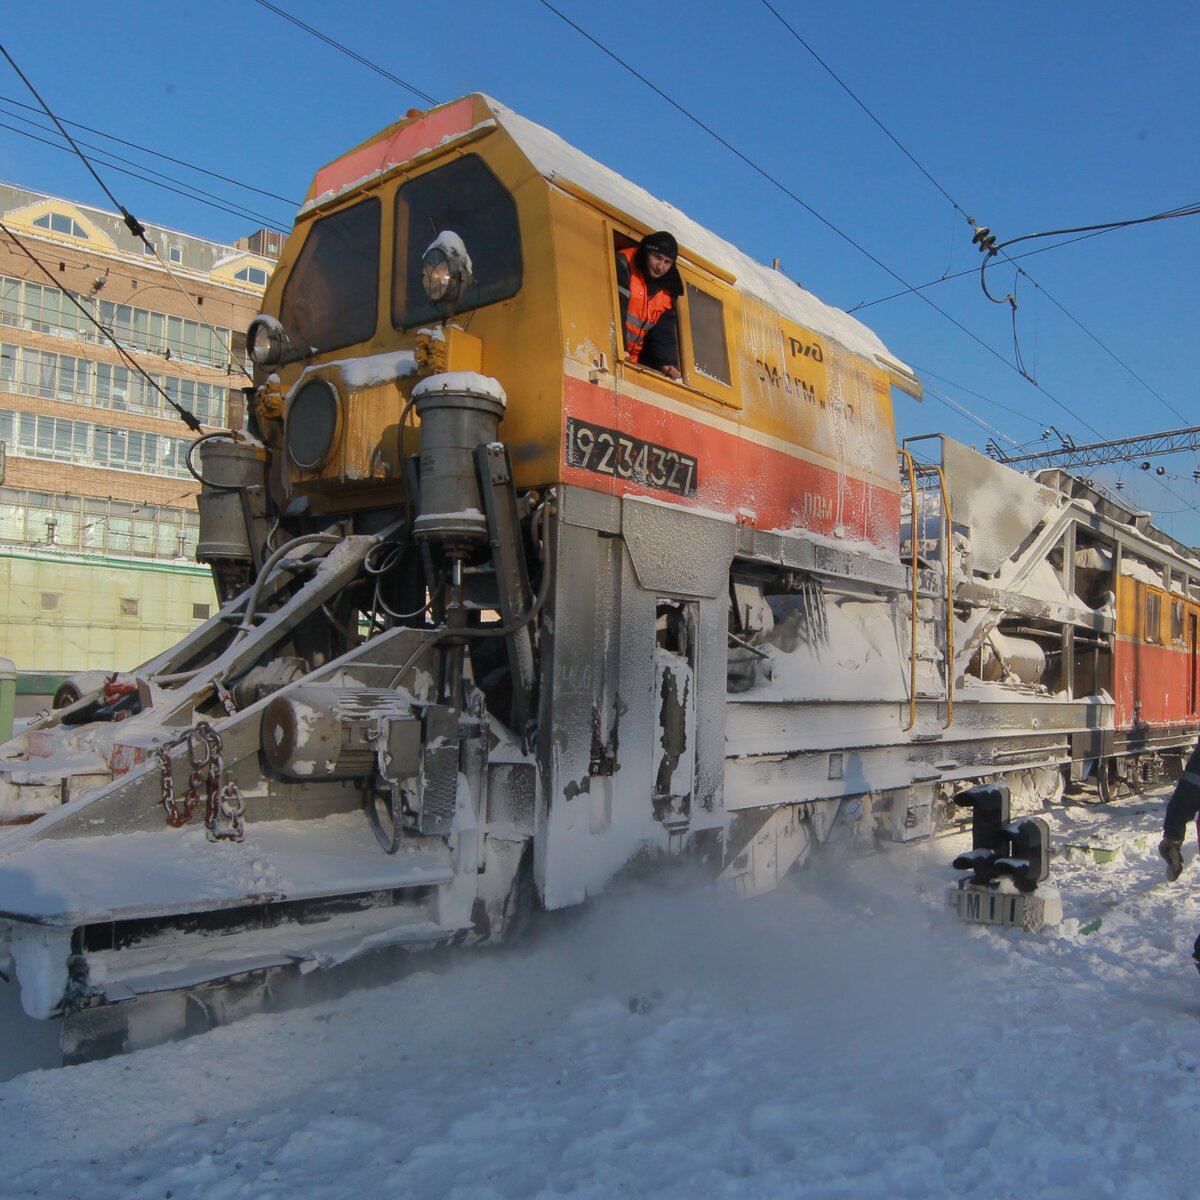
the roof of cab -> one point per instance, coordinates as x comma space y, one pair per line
558, 162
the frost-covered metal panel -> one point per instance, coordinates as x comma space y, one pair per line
999, 505
605, 771
677, 552
598, 705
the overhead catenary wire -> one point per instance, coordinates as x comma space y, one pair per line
782, 187
1110, 352
189, 418
926, 372
949, 278
135, 227
990, 247
187, 191
1165, 486
358, 58
179, 162
846, 88
1086, 231
1042, 289
1186, 210
962, 410
729, 146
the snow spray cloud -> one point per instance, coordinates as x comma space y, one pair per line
845, 951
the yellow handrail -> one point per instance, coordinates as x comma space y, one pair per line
912, 528
948, 554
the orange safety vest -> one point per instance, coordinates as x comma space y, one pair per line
643, 310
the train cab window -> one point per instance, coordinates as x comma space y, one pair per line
1153, 617
1177, 621
657, 348
332, 297
710, 354
465, 199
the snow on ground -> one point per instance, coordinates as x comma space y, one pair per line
842, 1037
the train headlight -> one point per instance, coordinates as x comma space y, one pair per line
265, 341
446, 269
313, 419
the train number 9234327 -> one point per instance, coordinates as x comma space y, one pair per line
610, 452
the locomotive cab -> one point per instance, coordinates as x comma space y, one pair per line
366, 300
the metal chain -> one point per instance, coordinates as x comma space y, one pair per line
233, 809
176, 816
179, 814
223, 806
221, 803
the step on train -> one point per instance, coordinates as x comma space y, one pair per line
504, 611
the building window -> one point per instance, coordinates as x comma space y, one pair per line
148, 249
254, 275
103, 526
175, 254
129, 606
50, 600
58, 222
200, 612
35, 435
45, 309
185, 340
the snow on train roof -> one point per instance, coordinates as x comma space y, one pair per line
555, 158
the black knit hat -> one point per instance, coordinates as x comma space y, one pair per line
663, 242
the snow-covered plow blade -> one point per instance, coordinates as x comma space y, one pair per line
284, 792
157, 938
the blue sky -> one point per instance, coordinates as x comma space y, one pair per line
1029, 116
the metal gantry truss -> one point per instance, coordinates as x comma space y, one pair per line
1094, 454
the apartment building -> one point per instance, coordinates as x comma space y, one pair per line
97, 505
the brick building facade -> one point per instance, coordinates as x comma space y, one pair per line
94, 469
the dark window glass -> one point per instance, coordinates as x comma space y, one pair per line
706, 314
1153, 617
465, 198
330, 300
61, 223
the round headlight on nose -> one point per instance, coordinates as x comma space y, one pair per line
265, 341
436, 276
311, 429
446, 270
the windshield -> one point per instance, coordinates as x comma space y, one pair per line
466, 199
331, 298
